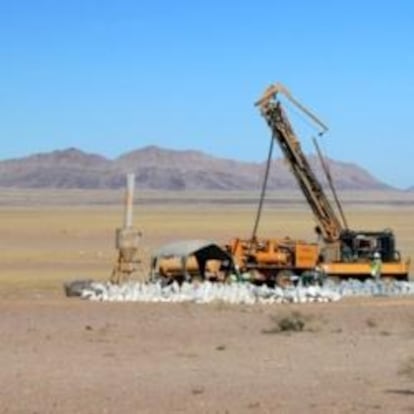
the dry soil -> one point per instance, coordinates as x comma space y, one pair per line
60, 355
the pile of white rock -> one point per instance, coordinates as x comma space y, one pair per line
207, 292
372, 287
241, 293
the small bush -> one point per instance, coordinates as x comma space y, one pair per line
407, 369
291, 323
197, 390
294, 322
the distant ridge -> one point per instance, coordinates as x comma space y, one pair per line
164, 169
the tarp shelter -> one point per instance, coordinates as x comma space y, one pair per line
202, 250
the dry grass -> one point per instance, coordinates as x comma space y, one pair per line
44, 246
371, 323
293, 322
64, 197
407, 369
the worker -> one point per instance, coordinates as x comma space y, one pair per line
319, 271
376, 265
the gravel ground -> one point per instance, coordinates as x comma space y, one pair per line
66, 355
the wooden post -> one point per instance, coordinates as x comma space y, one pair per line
129, 200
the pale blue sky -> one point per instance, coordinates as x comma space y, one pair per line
111, 76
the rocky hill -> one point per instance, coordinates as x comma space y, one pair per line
164, 169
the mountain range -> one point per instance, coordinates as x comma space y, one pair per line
164, 169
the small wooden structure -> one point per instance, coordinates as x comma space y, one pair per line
127, 241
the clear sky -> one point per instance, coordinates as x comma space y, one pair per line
112, 76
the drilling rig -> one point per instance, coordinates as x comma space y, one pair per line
342, 253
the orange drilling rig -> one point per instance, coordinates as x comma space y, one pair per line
342, 253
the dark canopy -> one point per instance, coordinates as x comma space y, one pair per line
202, 250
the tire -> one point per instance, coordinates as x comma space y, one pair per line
284, 278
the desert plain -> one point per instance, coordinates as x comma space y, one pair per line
64, 355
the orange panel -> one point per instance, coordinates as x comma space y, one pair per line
306, 255
399, 269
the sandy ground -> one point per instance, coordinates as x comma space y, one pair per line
60, 355
68, 356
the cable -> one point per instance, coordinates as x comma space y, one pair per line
303, 117
263, 192
328, 175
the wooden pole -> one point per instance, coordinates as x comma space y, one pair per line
129, 200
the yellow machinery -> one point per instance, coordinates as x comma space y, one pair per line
344, 253
273, 260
